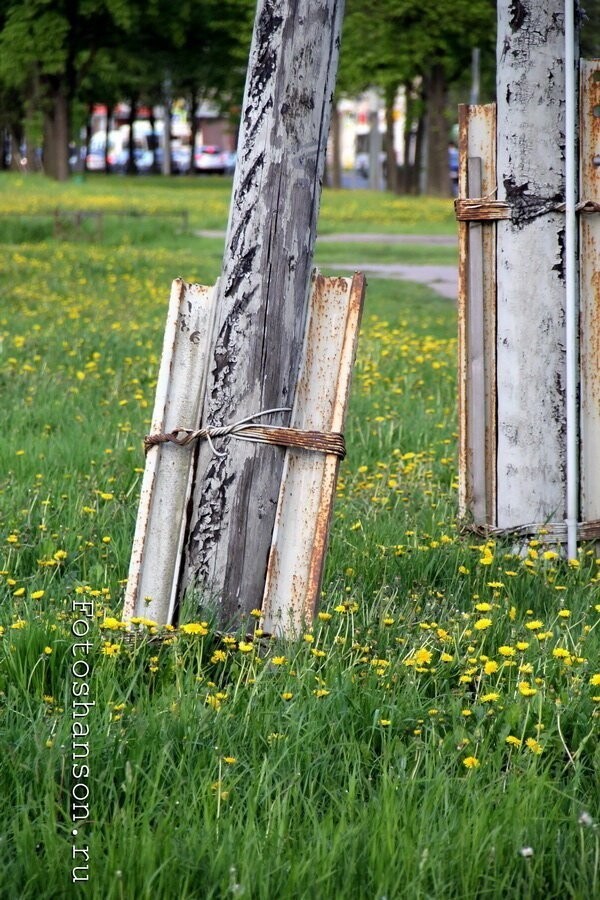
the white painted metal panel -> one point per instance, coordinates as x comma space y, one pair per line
309, 478
155, 558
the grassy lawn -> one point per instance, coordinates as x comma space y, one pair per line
434, 735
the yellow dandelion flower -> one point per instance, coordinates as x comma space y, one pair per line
321, 692
534, 745
471, 762
513, 741
218, 656
492, 697
491, 667
595, 679
507, 651
245, 647
526, 690
47, 650
287, 695
482, 624
37, 595
198, 628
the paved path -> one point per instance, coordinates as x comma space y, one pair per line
442, 279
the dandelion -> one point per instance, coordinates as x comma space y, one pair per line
109, 649
506, 651
278, 660
491, 667
321, 692
471, 762
534, 625
526, 690
47, 650
324, 616
534, 746
198, 628
482, 624
595, 679
245, 647
585, 819
385, 722
37, 595
287, 695
513, 741
492, 697
218, 656
230, 760
526, 852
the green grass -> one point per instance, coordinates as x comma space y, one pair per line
333, 767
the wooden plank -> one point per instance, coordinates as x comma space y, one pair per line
262, 302
530, 343
156, 553
589, 135
307, 493
476, 361
477, 320
464, 464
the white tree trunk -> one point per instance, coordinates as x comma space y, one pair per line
261, 305
531, 282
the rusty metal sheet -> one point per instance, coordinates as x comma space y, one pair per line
589, 131
307, 491
156, 552
477, 319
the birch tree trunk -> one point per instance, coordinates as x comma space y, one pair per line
531, 285
261, 306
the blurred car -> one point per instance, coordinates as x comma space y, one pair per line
230, 161
94, 161
209, 158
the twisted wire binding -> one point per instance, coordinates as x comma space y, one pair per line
247, 430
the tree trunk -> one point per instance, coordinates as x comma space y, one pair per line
436, 97
530, 252
390, 143
166, 163
56, 133
262, 299
153, 141
193, 129
107, 167
132, 168
336, 148
419, 169
88, 137
17, 133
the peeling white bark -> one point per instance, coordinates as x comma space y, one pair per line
261, 306
531, 288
